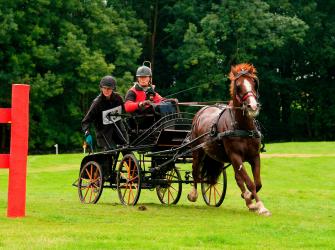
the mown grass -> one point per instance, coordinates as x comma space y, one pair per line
301, 147
299, 192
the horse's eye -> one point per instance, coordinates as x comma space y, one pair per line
238, 87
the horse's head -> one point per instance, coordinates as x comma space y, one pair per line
244, 88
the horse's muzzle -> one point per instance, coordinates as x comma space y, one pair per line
252, 109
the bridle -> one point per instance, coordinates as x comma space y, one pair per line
242, 99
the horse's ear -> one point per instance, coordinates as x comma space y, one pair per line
252, 69
232, 73
233, 70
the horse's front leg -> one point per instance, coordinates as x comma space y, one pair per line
242, 177
256, 171
245, 194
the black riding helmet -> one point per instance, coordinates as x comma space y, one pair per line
109, 82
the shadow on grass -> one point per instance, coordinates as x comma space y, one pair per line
147, 207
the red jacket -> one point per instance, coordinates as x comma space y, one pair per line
135, 95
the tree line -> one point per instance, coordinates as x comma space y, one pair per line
63, 48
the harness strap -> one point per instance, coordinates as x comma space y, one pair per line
231, 133
177, 154
214, 128
239, 133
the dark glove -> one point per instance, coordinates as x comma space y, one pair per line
174, 100
150, 94
144, 104
89, 139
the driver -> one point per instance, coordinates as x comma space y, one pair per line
142, 94
109, 134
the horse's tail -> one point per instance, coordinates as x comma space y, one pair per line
211, 170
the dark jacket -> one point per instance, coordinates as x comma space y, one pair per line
107, 135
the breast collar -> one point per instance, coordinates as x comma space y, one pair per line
234, 132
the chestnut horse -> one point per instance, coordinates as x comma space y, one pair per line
232, 137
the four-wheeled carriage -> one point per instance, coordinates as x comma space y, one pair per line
148, 162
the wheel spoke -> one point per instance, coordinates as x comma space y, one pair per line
214, 194
217, 191
96, 186
170, 176
95, 180
123, 185
163, 192
88, 174
129, 167
85, 184
133, 171
125, 192
206, 190
128, 180
123, 176
134, 178
90, 183
170, 195
91, 176
172, 187
211, 191
169, 192
91, 188
130, 193
86, 192
210, 194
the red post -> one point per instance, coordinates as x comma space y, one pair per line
18, 151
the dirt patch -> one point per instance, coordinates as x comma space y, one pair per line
266, 155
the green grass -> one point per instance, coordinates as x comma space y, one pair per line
299, 192
301, 147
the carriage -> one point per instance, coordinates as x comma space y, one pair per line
216, 137
149, 161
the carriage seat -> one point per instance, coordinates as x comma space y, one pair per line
171, 137
140, 121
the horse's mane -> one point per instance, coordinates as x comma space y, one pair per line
238, 68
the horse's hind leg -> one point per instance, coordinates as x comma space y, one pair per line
193, 194
196, 170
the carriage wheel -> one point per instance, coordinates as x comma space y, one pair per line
129, 180
214, 194
170, 192
90, 183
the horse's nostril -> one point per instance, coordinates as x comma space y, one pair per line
249, 106
258, 105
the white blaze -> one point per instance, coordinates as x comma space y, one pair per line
252, 99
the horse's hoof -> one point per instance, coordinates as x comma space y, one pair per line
252, 207
264, 212
190, 198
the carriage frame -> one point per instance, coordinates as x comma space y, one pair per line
149, 162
